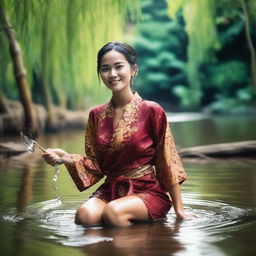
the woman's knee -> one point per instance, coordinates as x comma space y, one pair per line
86, 217
90, 213
112, 215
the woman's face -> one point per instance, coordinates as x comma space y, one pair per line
116, 71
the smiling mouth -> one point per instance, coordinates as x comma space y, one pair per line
114, 82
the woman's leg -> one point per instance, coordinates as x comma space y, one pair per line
121, 211
90, 212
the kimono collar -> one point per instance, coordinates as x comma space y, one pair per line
130, 107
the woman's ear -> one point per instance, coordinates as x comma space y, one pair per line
135, 70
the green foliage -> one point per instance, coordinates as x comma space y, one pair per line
230, 84
199, 57
227, 77
215, 30
229, 29
203, 39
160, 46
60, 40
243, 101
229, 8
246, 95
184, 93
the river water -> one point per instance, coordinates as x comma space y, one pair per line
37, 211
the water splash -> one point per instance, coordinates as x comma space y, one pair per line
30, 144
55, 182
30, 147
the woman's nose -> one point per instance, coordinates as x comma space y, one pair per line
113, 72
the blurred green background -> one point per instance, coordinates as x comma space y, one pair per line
196, 55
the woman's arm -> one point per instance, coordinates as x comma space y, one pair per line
175, 194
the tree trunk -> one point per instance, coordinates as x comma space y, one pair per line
19, 73
223, 150
249, 42
3, 105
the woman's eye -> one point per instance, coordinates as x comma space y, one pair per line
119, 67
104, 69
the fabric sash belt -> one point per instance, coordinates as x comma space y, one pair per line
125, 180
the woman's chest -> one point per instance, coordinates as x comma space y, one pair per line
126, 131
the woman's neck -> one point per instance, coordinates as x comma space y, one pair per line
122, 98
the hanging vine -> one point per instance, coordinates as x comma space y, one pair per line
60, 39
202, 34
199, 16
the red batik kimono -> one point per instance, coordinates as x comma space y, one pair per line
141, 139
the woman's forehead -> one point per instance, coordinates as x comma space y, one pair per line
113, 57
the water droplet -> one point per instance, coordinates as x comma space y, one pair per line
55, 179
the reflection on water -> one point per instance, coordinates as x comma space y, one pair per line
190, 237
33, 221
220, 129
223, 215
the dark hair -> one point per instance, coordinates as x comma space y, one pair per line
122, 48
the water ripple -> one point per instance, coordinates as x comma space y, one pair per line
213, 219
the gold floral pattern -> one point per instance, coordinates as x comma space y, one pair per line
90, 146
141, 137
169, 167
126, 126
86, 171
83, 172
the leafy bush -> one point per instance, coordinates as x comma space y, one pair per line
226, 78
161, 46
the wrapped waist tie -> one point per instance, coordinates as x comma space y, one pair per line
125, 179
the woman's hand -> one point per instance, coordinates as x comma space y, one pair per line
182, 215
56, 156
175, 194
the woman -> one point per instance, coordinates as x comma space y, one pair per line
129, 141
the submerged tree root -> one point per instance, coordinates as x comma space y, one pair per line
242, 150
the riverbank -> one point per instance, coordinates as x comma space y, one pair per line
12, 121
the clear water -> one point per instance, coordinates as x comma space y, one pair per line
55, 182
38, 203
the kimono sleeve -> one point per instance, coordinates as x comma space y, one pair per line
86, 171
169, 169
